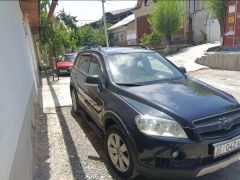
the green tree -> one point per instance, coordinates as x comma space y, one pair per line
152, 40
69, 21
166, 18
218, 8
88, 36
61, 37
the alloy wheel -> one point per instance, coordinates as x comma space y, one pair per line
118, 152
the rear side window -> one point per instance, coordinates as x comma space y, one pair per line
84, 63
95, 68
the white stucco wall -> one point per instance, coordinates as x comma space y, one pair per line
203, 23
18, 88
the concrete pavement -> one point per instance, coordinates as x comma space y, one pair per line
187, 57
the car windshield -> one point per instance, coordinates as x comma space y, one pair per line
140, 68
69, 57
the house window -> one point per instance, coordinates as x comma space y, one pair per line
122, 37
116, 37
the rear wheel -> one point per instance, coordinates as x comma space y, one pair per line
118, 152
74, 101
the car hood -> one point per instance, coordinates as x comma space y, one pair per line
64, 64
189, 99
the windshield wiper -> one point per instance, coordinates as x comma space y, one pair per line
129, 84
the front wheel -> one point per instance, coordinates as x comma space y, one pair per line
118, 152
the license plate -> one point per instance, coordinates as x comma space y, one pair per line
63, 71
226, 146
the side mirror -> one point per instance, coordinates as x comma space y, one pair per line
183, 70
93, 81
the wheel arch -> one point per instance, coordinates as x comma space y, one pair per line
111, 118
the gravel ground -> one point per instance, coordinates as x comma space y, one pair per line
67, 148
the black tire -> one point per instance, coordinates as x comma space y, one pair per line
75, 105
129, 172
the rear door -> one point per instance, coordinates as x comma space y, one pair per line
82, 70
93, 95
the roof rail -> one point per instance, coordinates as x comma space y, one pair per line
142, 46
93, 47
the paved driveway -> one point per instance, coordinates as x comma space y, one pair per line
187, 57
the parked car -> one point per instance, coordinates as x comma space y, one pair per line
65, 63
155, 119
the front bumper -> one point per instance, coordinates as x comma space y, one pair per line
190, 172
155, 156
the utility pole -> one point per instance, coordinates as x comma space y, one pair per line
105, 24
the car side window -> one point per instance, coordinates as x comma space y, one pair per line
84, 62
95, 68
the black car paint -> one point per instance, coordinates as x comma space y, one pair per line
185, 100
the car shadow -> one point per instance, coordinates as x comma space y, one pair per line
75, 162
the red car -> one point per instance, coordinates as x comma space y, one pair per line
65, 63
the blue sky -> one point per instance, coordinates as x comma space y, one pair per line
91, 10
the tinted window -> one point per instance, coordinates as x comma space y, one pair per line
95, 68
84, 63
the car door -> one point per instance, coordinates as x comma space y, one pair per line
81, 74
93, 95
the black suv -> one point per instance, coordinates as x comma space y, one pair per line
155, 119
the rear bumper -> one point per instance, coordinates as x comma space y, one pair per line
189, 172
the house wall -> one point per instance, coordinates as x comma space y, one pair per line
143, 27
204, 24
200, 19
131, 33
118, 36
124, 35
18, 78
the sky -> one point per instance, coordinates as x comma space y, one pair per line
91, 10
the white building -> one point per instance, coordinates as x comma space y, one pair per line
124, 32
19, 86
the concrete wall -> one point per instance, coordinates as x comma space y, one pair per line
200, 25
221, 60
204, 24
18, 78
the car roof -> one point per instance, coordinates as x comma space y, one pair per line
119, 50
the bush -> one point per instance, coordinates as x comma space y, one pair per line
151, 40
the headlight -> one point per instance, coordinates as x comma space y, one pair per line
159, 127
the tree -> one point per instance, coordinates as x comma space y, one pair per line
218, 8
152, 40
166, 18
69, 21
88, 36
